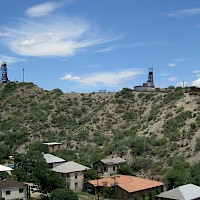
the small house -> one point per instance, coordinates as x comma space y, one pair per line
108, 165
11, 189
72, 173
126, 187
52, 160
53, 146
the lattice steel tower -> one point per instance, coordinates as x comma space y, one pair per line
150, 81
4, 75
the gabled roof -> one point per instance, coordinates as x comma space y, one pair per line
70, 166
184, 192
9, 183
52, 159
111, 161
127, 183
4, 168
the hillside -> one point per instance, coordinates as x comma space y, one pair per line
147, 129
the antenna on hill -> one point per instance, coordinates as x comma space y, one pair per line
23, 74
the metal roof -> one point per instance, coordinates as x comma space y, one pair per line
52, 143
111, 161
4, 168
184, 192
70, 166
52, 159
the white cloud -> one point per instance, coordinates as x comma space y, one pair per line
196, 71
196, 82
105, 78
184, 13
56, 36
182, 84
69, 77
165, 74
10, 60
171, 79
172, 64
42, 9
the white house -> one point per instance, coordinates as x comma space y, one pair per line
11, 189
52, 160
72, 173
53, 146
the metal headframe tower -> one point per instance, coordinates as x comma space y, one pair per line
4, 75
150, 81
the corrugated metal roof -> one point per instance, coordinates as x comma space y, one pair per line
184, 192
110, 161
70, 166
52, 159
4, 168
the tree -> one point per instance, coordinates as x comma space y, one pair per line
63, 194
31, 167
179, 174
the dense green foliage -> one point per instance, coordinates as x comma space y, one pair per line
63, 194
147, 128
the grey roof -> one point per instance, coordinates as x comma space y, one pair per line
52, 159
111, 161
185, 192
70, 166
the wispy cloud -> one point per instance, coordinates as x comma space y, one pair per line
115, 47
196, 71
42, 9
10, 60
172, 64
184, 13
182, 84
69, 77
55, 36
105, 78
196, 82
171, 79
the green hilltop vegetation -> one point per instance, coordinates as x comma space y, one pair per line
149, 129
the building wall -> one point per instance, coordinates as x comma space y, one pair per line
122, 194
101, 167
53, 148
74, 180
14, 193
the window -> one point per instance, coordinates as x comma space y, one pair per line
8, 192
113, 168
76, 175
68, 175
105, 169
21, 190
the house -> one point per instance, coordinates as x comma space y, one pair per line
108, 165
72, 173
126, 187
11, 189
53, 146
184, 192
5, 169
52, 160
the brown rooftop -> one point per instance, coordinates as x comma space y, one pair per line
128, 183
8, 183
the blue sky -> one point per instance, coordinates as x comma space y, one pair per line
87, 45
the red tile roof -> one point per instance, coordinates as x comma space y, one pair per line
8, 183
128, 183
